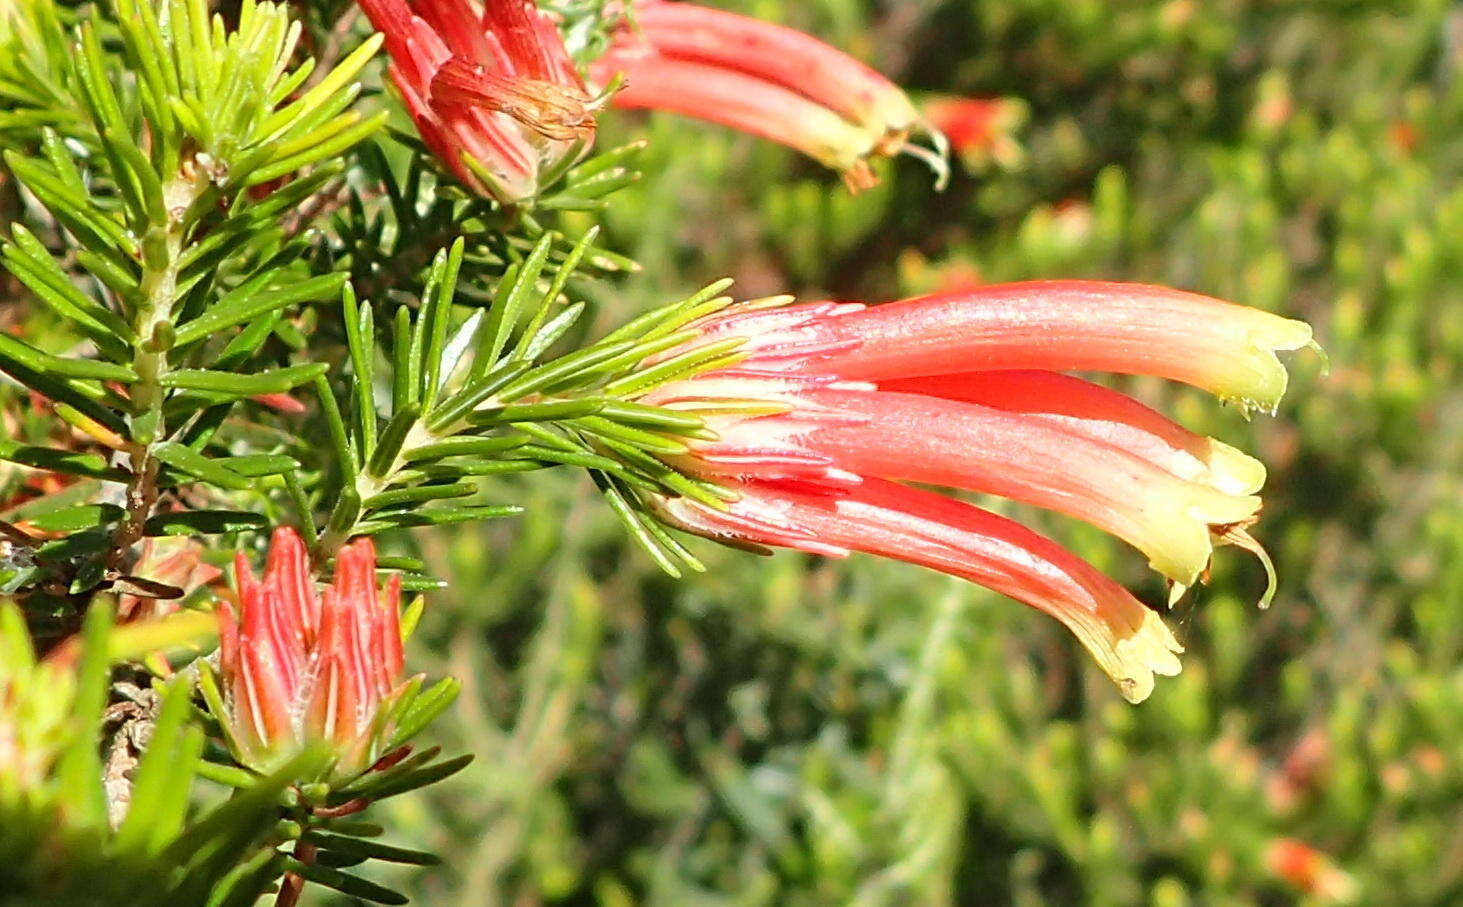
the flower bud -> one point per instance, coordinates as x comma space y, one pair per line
300, 667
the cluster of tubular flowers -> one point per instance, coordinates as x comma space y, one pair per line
299, 667
764, 79
834, 407
493, 93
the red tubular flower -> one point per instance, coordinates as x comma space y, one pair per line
916, 438
493, 95
765, 79
832, 404
1129, 641
299, 667
1223, 348
1102, 415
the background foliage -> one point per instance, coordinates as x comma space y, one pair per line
793, 731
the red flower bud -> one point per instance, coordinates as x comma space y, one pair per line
300, 667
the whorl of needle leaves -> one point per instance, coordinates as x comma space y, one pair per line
159, 186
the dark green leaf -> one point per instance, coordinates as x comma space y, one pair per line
392, 438
62, 367
424, 710
64, 461
402, 496
351, 885
258, 465
79, 773
465, 447
371, 850
246, 883
73, 519
508, 305
164, 765
436, 516
204, 522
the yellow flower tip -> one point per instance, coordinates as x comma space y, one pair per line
1183, 553
1258, 381
893, 111
1279, 334
1231, 470
1139, 652
1215, 508
1180, 543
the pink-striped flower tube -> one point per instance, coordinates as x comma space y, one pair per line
767, 80
494, 94
835, 406
299, 666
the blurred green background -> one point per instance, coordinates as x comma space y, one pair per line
790, 731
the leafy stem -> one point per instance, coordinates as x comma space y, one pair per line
162, 252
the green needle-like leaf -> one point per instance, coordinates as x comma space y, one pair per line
354, 886
203, 522
63, 461
80, 770
74, 519
508, 305
187, 460
232, 384
370, 850
237, 307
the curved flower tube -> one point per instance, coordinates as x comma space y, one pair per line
1129, 641
298, 667
780, 55
1100, 414
915, 438
831, 405
1076, 325
746, 104
493, 95
769, 80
